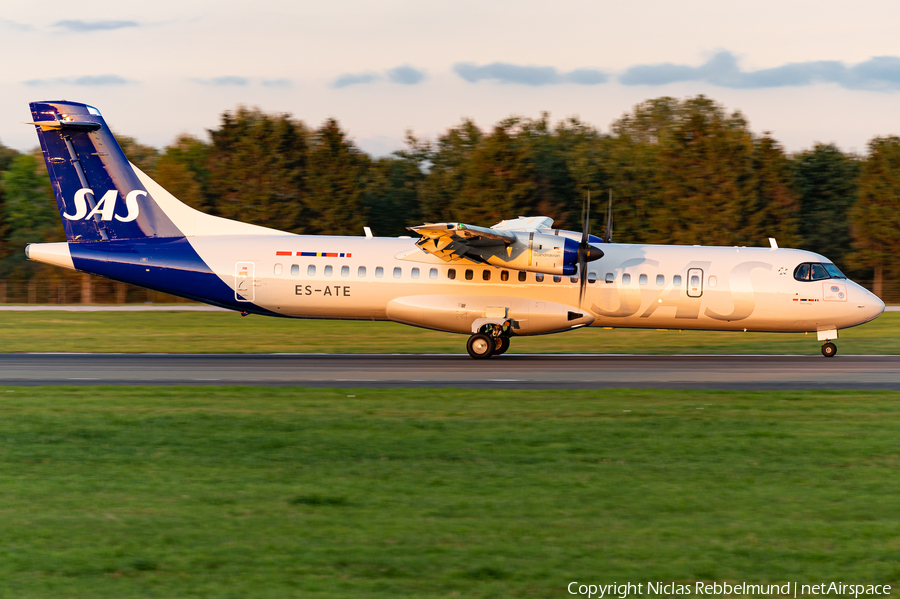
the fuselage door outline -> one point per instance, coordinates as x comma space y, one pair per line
695, 282
244, 276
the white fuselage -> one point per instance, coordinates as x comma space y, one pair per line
642, 286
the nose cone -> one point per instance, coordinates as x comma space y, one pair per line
868, 305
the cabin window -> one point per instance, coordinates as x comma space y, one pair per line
573, 279
414, 273
522, 276
328, 270
361, 272
278, 269
470, 274
451, 273
432, 274
713, 281
660, 280
379, 272
295, 269
642, 279
539, 278
397, 272
345, 271
695, 281
676, 280
486, 275
592, 277
311, 270
557, 278
626, 279
610, 277
504, 275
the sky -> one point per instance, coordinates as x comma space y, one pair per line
805, 71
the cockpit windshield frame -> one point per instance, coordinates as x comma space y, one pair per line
817, 271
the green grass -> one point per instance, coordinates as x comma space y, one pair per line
229, 332
256, 492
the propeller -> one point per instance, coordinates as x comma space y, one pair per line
607, 236
586, 252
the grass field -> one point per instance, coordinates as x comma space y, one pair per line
229, 332
257, 492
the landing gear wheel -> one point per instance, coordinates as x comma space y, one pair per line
480, 346
829, 350
502, 344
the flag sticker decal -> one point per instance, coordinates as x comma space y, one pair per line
317, 254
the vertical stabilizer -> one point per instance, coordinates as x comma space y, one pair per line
98, 194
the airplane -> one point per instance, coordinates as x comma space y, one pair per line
517, 278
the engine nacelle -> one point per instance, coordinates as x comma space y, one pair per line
534, 252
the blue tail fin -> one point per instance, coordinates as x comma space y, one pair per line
98, 193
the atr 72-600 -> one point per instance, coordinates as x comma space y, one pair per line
520, 277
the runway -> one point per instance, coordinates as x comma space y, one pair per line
506, 372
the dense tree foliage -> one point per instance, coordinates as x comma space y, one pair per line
680, 171
29, 213
875, 216
826, 181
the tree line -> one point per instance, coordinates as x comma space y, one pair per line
682, 171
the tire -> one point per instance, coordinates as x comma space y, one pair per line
480, 346
502, 344
829, 350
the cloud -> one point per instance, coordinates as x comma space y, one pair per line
354, 79
17, 26
879, 73
84, 80
280, 83
85, 26
225, 80
406, 75
526, 75
586, 76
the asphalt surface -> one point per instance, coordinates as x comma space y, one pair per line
506, 372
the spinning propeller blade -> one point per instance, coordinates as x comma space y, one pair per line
584, 246
607, 236
586, 252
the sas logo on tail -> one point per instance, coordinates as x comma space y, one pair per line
106, 207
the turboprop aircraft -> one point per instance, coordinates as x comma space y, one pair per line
519, 277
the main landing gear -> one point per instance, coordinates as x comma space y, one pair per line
829, 350
491, 340
481, 346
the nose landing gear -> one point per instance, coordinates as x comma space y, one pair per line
829, 350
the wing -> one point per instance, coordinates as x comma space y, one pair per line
525, 223
457, 241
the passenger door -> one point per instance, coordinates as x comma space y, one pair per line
244, 279
695, 282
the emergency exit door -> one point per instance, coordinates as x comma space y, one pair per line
695, 282
244, 275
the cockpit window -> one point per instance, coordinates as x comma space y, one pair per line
834, 271
814, 271
817, 272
